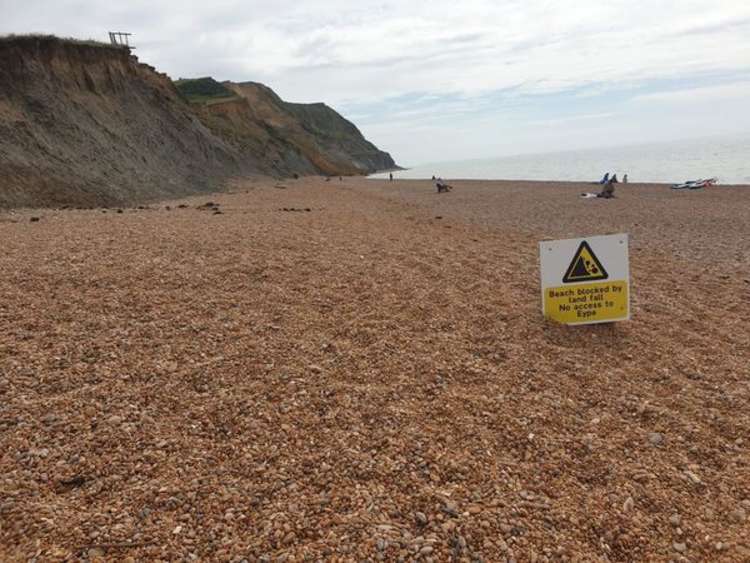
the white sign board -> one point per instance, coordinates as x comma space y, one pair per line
585, 280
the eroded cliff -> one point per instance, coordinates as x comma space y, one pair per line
87, 124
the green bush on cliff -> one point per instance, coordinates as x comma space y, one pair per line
202, 90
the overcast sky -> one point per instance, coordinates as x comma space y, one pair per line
449, 79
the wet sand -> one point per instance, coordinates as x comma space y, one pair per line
368, 376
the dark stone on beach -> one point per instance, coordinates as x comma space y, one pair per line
34, 219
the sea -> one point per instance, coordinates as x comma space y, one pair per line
724, 158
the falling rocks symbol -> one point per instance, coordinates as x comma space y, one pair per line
585, 266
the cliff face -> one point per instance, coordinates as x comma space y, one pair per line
320, 134
87, 124
255, 128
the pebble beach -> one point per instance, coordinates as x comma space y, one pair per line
359, 370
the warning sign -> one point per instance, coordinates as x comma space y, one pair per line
587, 280
585, 266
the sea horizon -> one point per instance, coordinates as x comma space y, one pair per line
725, 157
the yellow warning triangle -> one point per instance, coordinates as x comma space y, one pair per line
585, 266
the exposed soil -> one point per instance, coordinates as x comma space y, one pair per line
372, 379
88, 125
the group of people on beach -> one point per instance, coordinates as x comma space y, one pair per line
607, 182
613, 179
608, 185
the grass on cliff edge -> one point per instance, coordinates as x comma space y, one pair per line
203, 90
28, 37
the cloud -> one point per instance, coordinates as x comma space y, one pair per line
572, 119
470, 47
736, 90
426, 64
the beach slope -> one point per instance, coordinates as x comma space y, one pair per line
359, 370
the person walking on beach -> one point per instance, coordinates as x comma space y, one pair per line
390, 177
625, 179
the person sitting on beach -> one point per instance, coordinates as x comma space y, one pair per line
608, 191
614, 179
442, 186
605, 179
